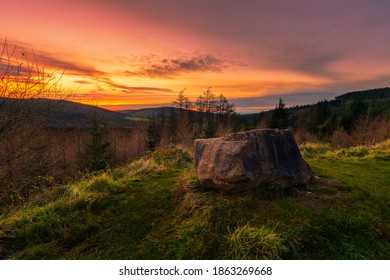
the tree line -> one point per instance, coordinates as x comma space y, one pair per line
206, 117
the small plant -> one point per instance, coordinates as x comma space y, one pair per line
209, 130
311, 150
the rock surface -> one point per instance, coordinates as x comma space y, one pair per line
244, 161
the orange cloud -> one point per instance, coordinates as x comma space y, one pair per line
175, 66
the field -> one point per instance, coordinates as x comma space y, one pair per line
154, 208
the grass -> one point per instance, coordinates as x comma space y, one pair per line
155, 208
255, 243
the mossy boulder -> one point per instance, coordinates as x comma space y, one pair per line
244, 161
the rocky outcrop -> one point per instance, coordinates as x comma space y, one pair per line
243, 161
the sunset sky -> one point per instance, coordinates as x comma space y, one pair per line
134, 54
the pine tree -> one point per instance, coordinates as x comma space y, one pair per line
279, 117
96, 156
210, 129
153, 134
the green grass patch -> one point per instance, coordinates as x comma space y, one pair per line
155, 208
255, 243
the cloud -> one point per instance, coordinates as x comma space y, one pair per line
129, 89
304, 58
126, 106
29, 60
172, 67
153, 89
20, 63
82, 82
49, 60
298, 36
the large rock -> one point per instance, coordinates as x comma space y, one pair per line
246, 160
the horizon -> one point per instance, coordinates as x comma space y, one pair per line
269, 98
243, 105
133, 54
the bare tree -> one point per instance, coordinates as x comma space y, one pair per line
206, 102
25, 87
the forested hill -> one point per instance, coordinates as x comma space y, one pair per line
61, 113
350, 119
370, 94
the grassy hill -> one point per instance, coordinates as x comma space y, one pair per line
154, 208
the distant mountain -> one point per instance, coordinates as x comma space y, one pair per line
145, 113
67, 113
72, 113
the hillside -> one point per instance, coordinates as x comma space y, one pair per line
72, 113
370, 94
154, 208
146, 113
59, 113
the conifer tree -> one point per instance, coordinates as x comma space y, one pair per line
279, 117
153, 134
96, 156
210, 129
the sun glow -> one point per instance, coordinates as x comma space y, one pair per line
129, 54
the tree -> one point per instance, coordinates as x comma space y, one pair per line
279, 117
216, 113
173, 122
209, 131
182, 101
96, 156
153, 134
224, 109
206, 102
25, 88
350, 117
321, 119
